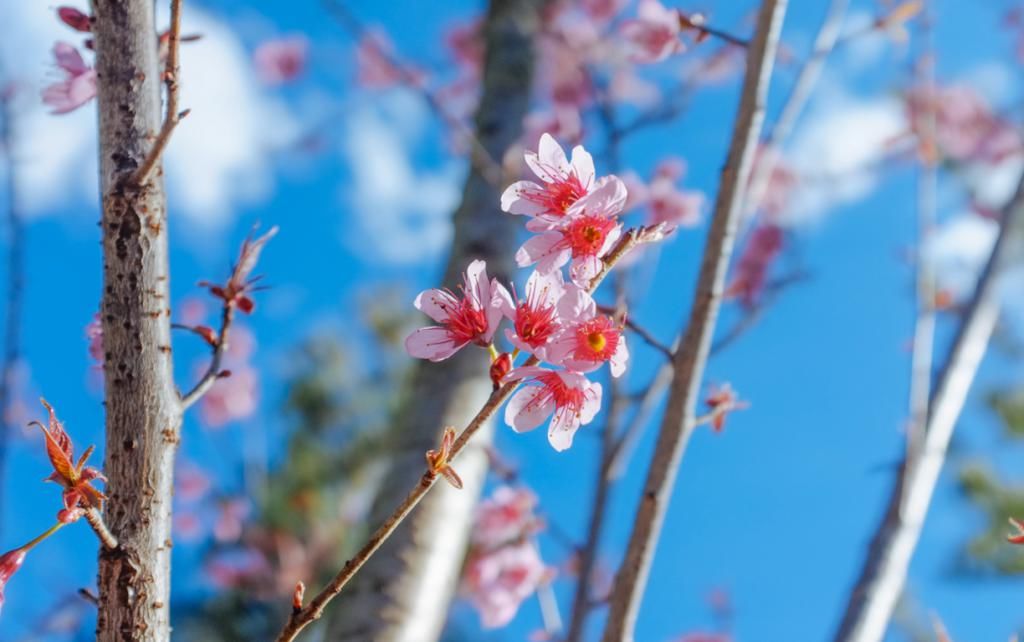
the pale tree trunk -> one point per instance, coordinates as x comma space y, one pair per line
404, 591
883, 574
143, 410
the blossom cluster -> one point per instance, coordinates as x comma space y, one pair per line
575, 217
504, 566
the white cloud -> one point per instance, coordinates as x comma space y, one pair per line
218, 158
837, 148
958, 250
403, 215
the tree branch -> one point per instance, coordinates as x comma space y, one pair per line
314, 610
213, 371
690, 358
172, 117
95, 520
873, 598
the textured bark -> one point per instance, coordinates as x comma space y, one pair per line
691, 356
874, 596
143, 410
404, 591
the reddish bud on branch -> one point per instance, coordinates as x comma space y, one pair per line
75, 19
437, 460
500, 366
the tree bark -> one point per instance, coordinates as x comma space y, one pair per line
143, 411
691, 356
874, 596
404, 592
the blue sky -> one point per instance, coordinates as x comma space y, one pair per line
777, 509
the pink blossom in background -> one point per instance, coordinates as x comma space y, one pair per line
374, 69
721, 400
505, 517
628, 87
496, 582
231, 516
562, 122
471, 318
966, 128
751, 271
669, 204
466, 43
78, 86
282, 60
535, 319
237, 568
603, 11
778, 186
94, 333
191, 483
569, 398
654, 34
231, 398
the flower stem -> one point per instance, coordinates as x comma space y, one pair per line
50, 531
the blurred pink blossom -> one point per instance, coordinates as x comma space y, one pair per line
78, 86
234, 397
496, 582
751, 272
966, 128
94, 333
654, 34
231, 516
505, 517
282, 60
374, 67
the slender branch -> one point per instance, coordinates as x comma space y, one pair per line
213, 371
924, 324
488, 167
808, 77
873, 598
314, 610
173, 116
639, 331
689, 22
689, 360
95, 520
15, 283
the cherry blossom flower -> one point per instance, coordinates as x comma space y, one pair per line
465, 41
569, 398
584, 240
505, 517
238, 568
471, 318
76, 478
94, 333
722, 400
751, 273
777, 186
282, 60
536, 319
568, 189
666, 203
654, 34
589, 339
496, 582
78, 86
965, 127
10, 562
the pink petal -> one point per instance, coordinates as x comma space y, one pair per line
549, 163
478, 288
433, 302
576, 304
546, 250
515, 199
524, 412
69, 59
583, 166
563, 428
607, 199
617, 364
499, 306
584, 269
431, 343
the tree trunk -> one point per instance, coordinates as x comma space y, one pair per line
404, 591
143, 410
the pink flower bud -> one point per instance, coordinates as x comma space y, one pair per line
499, 368
75, 19
9, 564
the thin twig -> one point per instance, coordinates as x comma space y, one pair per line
874, 596
689, 360
95, 520
641, 332
807, 78
213, 371
173, 116
488, 167
315, 608
15, 284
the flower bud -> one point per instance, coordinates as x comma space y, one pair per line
500, 367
